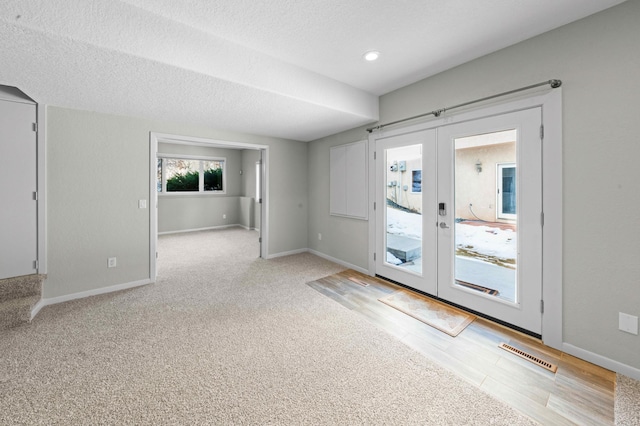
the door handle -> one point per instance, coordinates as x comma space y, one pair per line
444, 225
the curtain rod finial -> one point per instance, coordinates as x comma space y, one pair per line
555, 83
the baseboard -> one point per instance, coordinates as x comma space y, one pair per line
322, 255
200, 229
339, 262
602, 361
36, 308
81, 295
287, 253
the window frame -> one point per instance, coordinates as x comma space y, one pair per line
201, 192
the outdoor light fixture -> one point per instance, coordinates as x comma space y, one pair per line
371, 55
478, 166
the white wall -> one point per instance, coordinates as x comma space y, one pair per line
598, 60
98, 169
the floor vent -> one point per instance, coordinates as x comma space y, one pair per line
363, 284
534, 359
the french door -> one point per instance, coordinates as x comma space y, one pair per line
458, 214
406, 243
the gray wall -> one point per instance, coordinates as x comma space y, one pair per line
342, 238
249, 207
249, 158
98, 169
598, 60
191, 211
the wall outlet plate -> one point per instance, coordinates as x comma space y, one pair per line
111, 262
628, 323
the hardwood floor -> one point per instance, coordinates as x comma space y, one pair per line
578, 393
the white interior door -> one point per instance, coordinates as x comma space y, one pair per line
490, 237
18, 209
406, 247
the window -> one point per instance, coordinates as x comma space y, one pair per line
159, 175
507, 191
212, 175
416, 181
258, 189
190, 174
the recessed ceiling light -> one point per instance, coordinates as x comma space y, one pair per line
371, 55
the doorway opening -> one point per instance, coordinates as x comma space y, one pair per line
205, 185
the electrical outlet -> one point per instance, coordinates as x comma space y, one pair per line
142, 204
111, 262
628, 323
224, 216
319, 236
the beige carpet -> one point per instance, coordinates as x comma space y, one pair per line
627, 402
225, 338
438, 315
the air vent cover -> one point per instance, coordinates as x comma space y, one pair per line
534, 359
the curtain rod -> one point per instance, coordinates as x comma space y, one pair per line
553, 83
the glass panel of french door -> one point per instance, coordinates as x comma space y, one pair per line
405, 200
490, 234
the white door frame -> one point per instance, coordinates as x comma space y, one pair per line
154, 139
551, 103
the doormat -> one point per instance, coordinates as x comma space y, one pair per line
477, 287
438, 315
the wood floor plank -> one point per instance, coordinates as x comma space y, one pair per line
581, 397
575, 407
588, 371
537, 412
473, 354
322, 288
440, 357
433, 337
528, 383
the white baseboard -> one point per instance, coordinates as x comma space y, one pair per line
602, 361
322, 255
287, 253
339, 262
80, 295
36, 308
200, 229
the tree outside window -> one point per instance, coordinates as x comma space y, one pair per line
190, 175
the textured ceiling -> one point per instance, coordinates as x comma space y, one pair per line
282, 68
